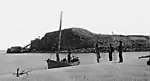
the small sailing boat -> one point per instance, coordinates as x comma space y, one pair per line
57, 64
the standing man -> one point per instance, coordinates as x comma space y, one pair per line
97, 49
17, 72
111, 50
120, 48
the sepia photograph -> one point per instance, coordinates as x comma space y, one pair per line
74, 40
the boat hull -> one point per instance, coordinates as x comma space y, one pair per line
55, 64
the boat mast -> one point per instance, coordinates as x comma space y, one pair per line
59, 39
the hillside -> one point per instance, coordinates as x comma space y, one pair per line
79, 38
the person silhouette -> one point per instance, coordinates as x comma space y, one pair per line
17, 72
69, 55
97, 49
120, 49
111, 50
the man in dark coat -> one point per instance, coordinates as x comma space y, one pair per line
111, 50
120, 49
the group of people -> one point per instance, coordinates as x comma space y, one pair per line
70, 58
111, 50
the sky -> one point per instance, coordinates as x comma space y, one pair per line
24, 20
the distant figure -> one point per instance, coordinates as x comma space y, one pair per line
97, 49
148, 62
69, 56
17, 72
120, 49
111, 50
57, 56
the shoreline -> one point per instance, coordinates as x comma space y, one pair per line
67, 52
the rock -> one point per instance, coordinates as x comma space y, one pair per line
79, 38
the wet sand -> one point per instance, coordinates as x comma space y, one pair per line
132, 69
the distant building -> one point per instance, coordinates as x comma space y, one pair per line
15, 49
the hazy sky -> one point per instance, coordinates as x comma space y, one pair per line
24, 20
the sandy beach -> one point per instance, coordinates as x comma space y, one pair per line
132, 69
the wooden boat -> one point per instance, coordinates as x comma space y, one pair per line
147, 56
57, 64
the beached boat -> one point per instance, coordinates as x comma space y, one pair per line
57, 64
147, 56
